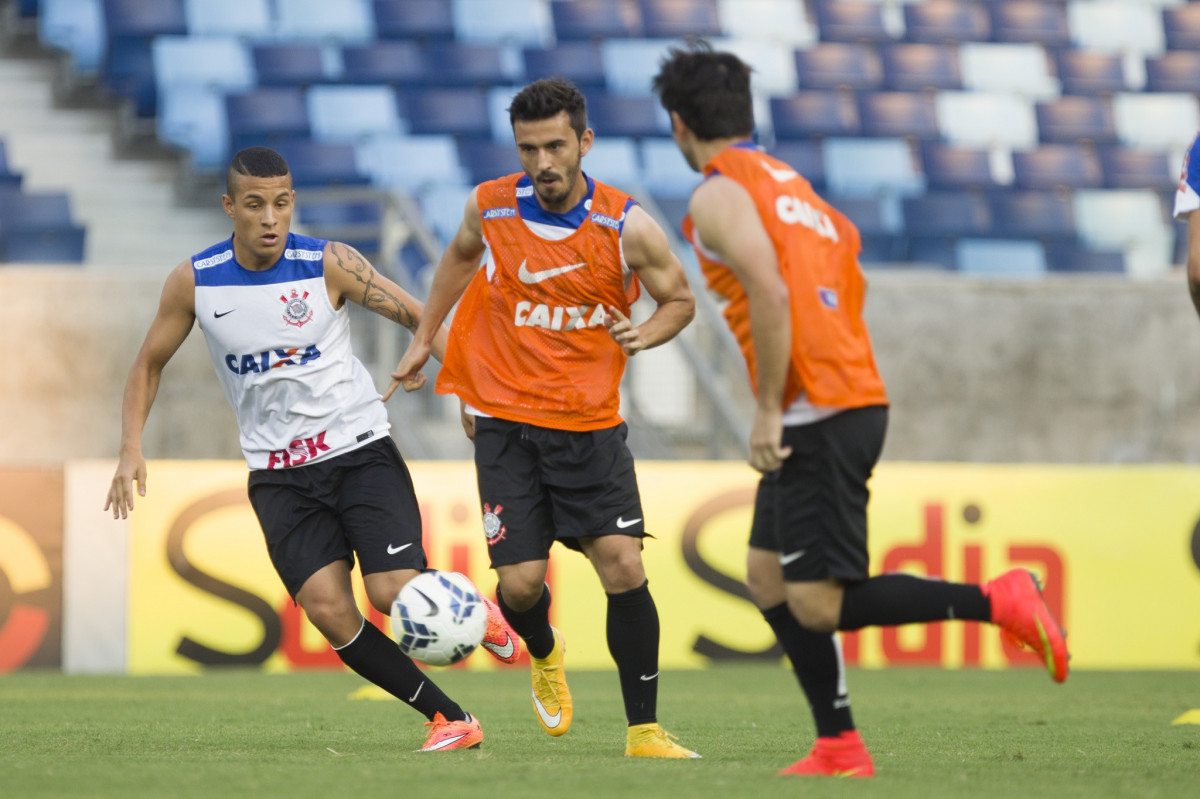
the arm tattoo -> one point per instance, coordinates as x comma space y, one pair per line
375, 297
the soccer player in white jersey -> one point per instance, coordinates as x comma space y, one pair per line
1187, 201
326, 480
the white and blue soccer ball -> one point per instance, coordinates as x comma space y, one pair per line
438, 618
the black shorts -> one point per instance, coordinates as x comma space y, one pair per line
813, 511
539, 485
359, 503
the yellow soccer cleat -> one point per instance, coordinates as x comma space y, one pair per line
551, 697
651, 740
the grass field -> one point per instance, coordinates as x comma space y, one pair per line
932, 733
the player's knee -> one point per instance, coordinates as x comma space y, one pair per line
336, 618
813, 614
521, 593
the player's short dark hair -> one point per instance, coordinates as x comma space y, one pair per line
545, 98
709, 90
255, 162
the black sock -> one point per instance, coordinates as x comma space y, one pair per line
532, 625
817, 660
633, 643
375, 657
891, 599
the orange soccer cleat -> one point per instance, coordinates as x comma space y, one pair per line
446, 735
498, 638
1020, 611
843, 756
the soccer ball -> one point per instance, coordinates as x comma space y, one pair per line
438, 618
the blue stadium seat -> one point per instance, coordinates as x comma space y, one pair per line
411, 162
453, 64
949, 214
27, 9
679, 18
814, 113
352, 113
898, 114
933, 253
353, 222
871, 216
665, 172
422, 20
389, 61
1090, 71
315, 163
947, 166
1174, 72
75, 27
1075, 258
674, 209
994, 258
269, 116
920, 67
442, 205
1182, 27
498, 100
9, 178
1077, 119
37, 228
579, 62
631, 64
248, 18
324, 20
1031, 21
1033, 214
871, 168
1050, 166
946, 22
1130, 168
484, 159
193, 119
839, 65
520, 22
851, 21
128, 72
614, 159
220, 63
596, 19
297, 64
144, 18
458, 111
804, 157
613, 115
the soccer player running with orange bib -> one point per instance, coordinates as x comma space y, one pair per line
536, 352
786, 262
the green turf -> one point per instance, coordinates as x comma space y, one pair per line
932, 733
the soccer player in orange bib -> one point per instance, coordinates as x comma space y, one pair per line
536, 352
786, 262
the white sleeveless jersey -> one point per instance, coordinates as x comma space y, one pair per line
1187, 196
282, 355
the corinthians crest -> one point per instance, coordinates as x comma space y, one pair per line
296, 311
493, 528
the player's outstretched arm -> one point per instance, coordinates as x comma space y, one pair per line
171, 325
727, 223
649, 255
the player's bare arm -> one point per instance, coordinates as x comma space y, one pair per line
728, 224
171, 325
454, 272
1193, 258
648, 254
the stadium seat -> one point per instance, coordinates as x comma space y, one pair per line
614, 115
498, 99
1130, 168
388, 61
1116, 27
37, 228
579, 62
420, 20
665, 172
322, 164
353, 222
937, 253
1076, 119
457, 111
994, 258
674, 209
947, 166
520, 22
1074, 258
803, 156
908, 114
128, 72
613, 159
1090, 72
1157, 120
596, 19
839, 65
75, 27
814, 113
442, 205
679, 18
1129, 221
946, 215
324, 20
986, 119
144, 18
1174, 72
1032, 21
267, 116
767, 20
851, 21
1033, 214
871, 167
220, 63
411, 162
483, 159
920, 67
247, 18
297, 64
946, 22
9, 178
1051, 166
1181, 25
872, 216
631, 64
773, 64
352, 113
1020, 69
453, 64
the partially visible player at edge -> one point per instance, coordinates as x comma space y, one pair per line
787, 264
1187, 202
326, 480
536, 352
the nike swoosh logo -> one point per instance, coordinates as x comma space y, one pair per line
433, 608
501, 651
413, 698
791, 556
544, 274
623, 524
547, 719
227, 313
780, 175
442, 744
393, 550
650, 677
